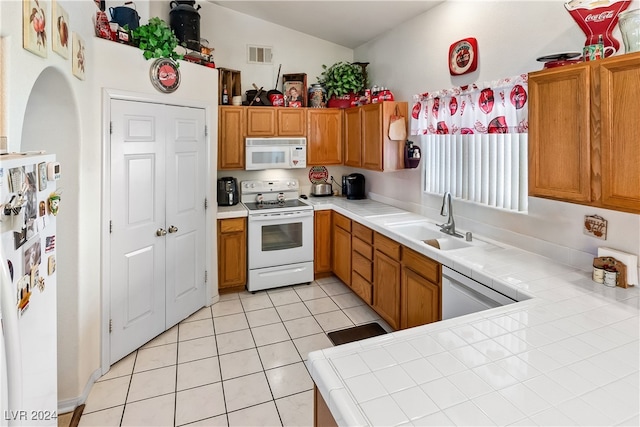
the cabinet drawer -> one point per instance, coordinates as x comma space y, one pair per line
364, 249
361, 232
362, 288
362, 266
387, 246
231, 225
425, 267
342, 221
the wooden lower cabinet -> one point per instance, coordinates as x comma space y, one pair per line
232, 252
322, 416
341, 247
322, 243
420, 291
386, 279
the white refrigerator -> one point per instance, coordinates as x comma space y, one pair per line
29, 203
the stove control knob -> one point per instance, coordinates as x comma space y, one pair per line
281, 197
253, 185
259, 198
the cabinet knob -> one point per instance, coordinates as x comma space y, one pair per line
161, 232
173, 229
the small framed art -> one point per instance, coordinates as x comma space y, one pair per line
60, 30
34, 27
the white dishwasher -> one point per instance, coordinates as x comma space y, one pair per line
462, 295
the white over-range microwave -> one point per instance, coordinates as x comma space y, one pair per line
275, 153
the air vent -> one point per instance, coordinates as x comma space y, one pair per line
259, 54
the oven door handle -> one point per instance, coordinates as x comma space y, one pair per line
281, 215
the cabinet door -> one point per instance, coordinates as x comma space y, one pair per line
231, 138
341, 244
232, 253
261, 121
386, 288
420, 300
322, 242
324, 136
353, 137
372, 137
559, 133
620, 110
291, 121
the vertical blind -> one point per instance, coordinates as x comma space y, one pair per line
474, 142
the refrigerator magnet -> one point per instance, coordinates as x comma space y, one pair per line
42, 176
51, 267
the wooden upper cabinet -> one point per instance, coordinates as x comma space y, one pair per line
583, 145
324, 136
231, 130
620, 144
353, 137
291, 122
366, 137
261, 121
559, 133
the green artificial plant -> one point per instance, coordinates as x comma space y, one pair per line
342, 78
157, 40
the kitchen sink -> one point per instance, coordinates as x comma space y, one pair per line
431, 235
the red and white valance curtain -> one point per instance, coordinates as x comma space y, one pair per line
474, 141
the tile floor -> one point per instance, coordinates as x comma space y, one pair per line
239, 362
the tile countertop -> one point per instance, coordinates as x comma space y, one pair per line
568, 355
235, 211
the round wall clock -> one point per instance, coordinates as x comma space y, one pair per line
463, 56
165, 75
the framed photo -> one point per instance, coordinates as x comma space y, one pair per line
42, 176
77, 56
293, 94
34, 27
59, 30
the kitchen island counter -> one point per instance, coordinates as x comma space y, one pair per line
566, 354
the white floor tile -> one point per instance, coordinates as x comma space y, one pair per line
260, 415
262, 317
288, 380
219, 421
284, 297
321, 305
334, 288
293, 311
330, 279
246, 391
202, 314
240, 363
235, 341
296, 410
121, 368
361, 314
199, 348
270, 334
152, 383
256, 302
230, 323
305, 345
279, 354
229, 297
308, 292
225, 308
198, 373
107, 394
106, 418
302, 327
157, 411
347, 300
199, 403
196, 329
156, 357
167, 337
333, 321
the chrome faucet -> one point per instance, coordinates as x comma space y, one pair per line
447, 210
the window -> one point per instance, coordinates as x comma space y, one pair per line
474, 142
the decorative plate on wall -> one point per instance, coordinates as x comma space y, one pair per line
165, 75
463, 56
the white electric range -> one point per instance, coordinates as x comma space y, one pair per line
280, 236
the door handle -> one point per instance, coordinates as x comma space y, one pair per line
161, 232
173, 229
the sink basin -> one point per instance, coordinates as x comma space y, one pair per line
431, 235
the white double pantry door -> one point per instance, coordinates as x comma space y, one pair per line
158, 178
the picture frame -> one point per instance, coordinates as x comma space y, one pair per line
293, 94
59, 30
77, 56
34, 27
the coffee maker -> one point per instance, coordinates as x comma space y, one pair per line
227, 191
353, 186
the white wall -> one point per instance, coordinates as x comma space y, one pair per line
412, 59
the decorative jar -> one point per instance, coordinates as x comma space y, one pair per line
317, 96
629, 22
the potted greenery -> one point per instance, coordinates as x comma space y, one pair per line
157, 40
342, 81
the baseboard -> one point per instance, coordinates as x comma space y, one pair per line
70, 405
